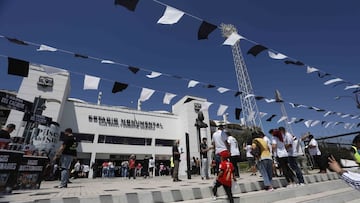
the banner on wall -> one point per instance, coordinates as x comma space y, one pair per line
9, 165
45, 140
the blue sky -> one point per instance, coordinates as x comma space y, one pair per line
322, 34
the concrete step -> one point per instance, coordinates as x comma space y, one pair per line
326, 192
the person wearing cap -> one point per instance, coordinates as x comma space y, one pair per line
225, 176
5, 135
204, 159
220, 144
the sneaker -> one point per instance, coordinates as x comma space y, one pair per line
302, 184
270, 189
213, 198
61, 186
290, 186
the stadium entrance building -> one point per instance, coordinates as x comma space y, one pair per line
107, 132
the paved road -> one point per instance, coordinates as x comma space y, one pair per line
158, 189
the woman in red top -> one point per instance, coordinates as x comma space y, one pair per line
226, 175
132, 166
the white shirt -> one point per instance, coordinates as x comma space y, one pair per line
219, 139
248, 151
234, 147
151, 163
280, 147
288, 140
314, 150
297, 148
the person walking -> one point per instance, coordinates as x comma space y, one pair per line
176, 158
67, 152
300, 155
151, 167
225, 176
249, 157
289, 146
282, 156
265, 160
204, 149
132, 172
220, 144
235, 153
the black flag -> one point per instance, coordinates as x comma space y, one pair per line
205, 29
255, 50
118, 87
18, 67
133, 69
129, 4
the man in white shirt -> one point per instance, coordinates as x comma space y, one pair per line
220, 144
316, 153
289, 145
235, 153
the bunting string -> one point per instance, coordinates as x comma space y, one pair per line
146, 93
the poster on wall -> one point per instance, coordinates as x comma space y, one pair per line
30, 173
9, 164
45, 140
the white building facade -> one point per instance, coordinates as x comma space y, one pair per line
108, 132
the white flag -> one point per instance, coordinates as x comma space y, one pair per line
222, 89
315, 123
282, 119
327, 113
168, 97
146, 94
222, 109
351, 87
276, 55
270, 100
293, 119
46, 48
311, 69
170, 16
91, 82
249, 95
333, 81
329, 123
192, 83
232, 39
262, 114
107, 61
154, 74
308, 123
205, 106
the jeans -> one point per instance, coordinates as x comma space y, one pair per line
295, 167
65, 162
265, 168
217, 163
205, 168
124, 171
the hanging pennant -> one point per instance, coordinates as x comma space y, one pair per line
18, 67
249, 95
205, 106
118, 87
129, 4
322, 75
277, 56
205, 29
308, 123
107, 62
145, 94
255, 50
170, 16
154, 74
16, 41
168, 97
210, 86
298, 63
221, 110
282, 119
91, 82
192, 83
270, 118
262, 114
352, 87
222, 89
311, 69
333, 81
189, 100
46, 48
80, 56
237, 113
270, 100
293, 119
315, 123
300, 120
232, 39
237, 94
133, 69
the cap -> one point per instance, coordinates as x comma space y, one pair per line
11, 125
225, 154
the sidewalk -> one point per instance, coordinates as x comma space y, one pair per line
158, 189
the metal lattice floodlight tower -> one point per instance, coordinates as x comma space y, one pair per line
248, 104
